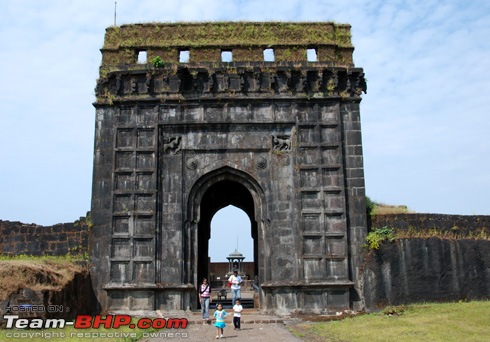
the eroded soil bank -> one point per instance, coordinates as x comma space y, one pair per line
46, 288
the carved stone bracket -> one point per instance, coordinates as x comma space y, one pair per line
244, 81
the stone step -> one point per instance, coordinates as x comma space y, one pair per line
247, 305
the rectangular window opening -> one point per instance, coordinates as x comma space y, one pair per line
184, 56
311, 55
226, 56
269, 55
142, 57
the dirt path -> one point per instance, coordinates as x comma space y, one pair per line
250, 332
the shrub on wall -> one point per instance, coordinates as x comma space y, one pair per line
378, 235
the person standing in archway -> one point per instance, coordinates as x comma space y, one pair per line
235, 281
205, 298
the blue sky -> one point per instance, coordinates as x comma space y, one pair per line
424, 118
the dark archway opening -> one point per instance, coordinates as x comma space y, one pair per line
218, 196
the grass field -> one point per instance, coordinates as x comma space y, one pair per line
463, 321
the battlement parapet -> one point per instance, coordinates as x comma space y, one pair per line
245, 41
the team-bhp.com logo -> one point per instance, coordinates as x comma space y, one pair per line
87, 321
13, 321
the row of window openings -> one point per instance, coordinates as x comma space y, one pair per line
227, 56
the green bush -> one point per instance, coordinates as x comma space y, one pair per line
157, 62
379, 235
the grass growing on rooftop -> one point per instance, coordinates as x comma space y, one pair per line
227, 33
463, 321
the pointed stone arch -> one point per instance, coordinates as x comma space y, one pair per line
212, 192
226, 174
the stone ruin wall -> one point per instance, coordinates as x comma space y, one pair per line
397, 273
418, 270
17, 238
414, 270
464, 225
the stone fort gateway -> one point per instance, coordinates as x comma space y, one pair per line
193, 117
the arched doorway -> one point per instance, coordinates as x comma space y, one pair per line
212, 192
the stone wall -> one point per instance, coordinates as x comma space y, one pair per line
405, 271
458, 224
18, 238
28, 238
426, 270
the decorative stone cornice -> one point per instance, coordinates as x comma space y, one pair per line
250, 80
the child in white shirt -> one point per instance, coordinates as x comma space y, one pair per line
237, 312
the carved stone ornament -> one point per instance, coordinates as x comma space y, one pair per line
281, 142
192, 163
260, 163
172, 146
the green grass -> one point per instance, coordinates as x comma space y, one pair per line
464, 321
56, 258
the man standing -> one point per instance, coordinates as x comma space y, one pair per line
235, 281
